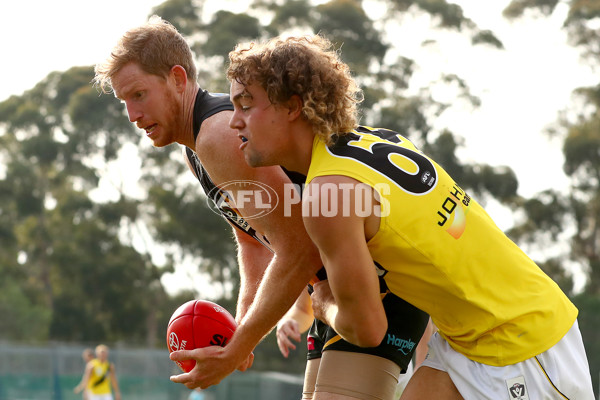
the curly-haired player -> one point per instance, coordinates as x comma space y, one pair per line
376, 206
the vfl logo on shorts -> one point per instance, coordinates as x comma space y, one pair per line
517, 389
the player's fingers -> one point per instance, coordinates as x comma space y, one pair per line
288, 340
182, 355
283, 330
289, 344
181, 378
284, 352
289, 330
295, 334
187, 380
283, 348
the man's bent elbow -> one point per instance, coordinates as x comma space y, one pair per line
371, 337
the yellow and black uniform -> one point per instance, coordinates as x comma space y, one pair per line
99, 382
439, 250
406, 325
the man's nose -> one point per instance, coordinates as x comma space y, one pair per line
235, 122
133, 113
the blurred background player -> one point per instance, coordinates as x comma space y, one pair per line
99, 378
87, 355
197, 394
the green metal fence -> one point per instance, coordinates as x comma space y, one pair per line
51, 372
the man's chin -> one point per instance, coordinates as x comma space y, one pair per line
252, 161
158, 143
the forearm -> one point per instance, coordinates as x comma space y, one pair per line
301, 312
114, 382
343, 314
253, 261
359, 314
284, 280
86, 378
356, 329
294, 261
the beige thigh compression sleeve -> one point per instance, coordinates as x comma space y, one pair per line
310, 377
356, 376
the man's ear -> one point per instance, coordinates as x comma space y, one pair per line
294, 105
179, 75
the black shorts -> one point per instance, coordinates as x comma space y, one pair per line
406, 325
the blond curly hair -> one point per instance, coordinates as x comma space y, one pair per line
156, 47
306, 66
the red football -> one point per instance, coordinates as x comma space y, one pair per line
197, 324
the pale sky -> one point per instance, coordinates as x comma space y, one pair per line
522, 87
40, 36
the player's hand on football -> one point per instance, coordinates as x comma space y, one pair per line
286, 331
323, 302
212, 365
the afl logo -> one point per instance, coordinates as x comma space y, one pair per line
251, 199
425, 176
173, 342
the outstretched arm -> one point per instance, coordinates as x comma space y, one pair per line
294, 262
85, 379
253, 259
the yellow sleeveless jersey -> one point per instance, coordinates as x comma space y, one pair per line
439, 250
99, 382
